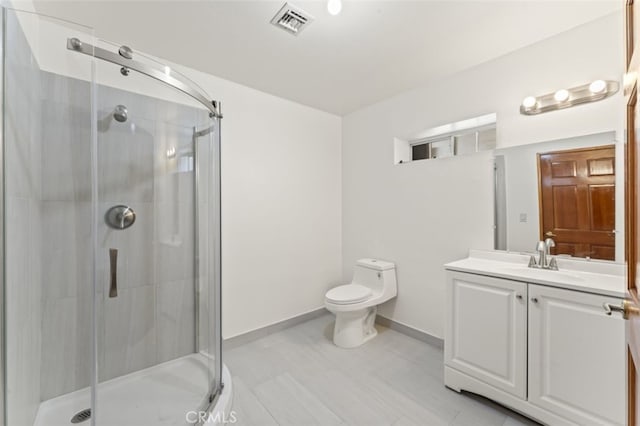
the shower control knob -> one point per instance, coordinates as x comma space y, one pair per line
120, 217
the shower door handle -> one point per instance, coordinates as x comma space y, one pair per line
113, 260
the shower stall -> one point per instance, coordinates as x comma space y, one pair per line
110, 205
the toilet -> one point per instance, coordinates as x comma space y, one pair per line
355, 304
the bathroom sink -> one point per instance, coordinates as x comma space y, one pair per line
605, 278
544, 274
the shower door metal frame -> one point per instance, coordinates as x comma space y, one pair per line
217, 384
214, 107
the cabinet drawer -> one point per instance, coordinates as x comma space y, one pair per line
576, 356
486, 332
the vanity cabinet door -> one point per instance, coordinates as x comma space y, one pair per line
576, 356
486, 330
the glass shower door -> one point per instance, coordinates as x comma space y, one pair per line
157, 241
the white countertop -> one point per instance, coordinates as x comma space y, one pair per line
591, 276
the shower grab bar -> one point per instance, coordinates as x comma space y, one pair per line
113, 260
76, 45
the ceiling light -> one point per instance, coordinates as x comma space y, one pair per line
561, 95
334, 6
529, 102
597, 86
565, 98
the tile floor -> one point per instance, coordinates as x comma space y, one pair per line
298, 377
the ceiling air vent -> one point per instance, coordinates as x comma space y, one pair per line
292, 19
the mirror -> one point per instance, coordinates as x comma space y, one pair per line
571, 190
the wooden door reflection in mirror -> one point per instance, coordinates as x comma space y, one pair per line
577, 201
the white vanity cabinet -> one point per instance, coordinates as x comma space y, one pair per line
547, 352
487, 330
576, 356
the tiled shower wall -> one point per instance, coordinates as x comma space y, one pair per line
145, 163
152, 319
66, 236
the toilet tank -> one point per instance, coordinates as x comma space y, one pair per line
378, 275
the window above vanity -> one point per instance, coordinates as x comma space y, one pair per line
459, 138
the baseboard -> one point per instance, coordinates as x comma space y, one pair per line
256, 334
410, 331
250, 336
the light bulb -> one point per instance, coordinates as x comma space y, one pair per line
561, 95
334, 6
597, 86
529, 102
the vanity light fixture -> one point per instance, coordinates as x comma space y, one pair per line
334, 6
171, 152
529, 102
565, 98
561, 95
597, 86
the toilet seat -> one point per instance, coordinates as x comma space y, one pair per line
348, 294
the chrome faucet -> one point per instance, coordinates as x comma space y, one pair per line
541, 248
549, 244
545, 261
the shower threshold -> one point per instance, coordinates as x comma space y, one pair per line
161, 395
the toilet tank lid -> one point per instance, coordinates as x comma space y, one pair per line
377, 264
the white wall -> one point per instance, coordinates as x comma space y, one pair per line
281, 207
281, 188
282, 241
425, 213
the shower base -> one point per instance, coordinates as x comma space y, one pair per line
161, 395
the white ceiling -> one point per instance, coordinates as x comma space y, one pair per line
371, 51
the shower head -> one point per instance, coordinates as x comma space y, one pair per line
120, 113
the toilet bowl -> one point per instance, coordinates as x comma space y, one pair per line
355, 304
